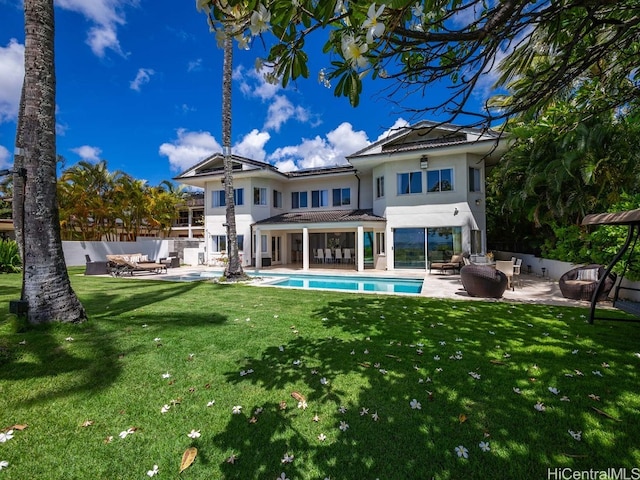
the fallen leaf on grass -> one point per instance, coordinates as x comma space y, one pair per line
573, 456
188, 458
497, 362
462, 417
19, 427
298, 397
87, 423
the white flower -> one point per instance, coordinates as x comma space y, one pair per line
157, 339
153, 471
436, 358
540, 407
443, 343
343, 426
236, 410
375, 416
462, 451
165, 409
324, 381
69, 339
297, 362
484, 446
124, 433
3, 464
373, 27
597, 373
554, 390
302, 404
287, 458
342, 409
282, 476
243, 42
415, 404
211, 403
260, 20
517, 390
4, 437
353, 51
322, 437
194, 434
166, 375
281, 348
475, 375
364, 411
576, 435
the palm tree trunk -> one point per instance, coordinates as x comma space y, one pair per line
233, 270
46, 286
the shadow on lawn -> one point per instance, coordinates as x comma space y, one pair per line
507, 345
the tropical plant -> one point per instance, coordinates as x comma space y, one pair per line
540, 47
9, 257
46, 286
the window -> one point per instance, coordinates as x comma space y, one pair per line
474, 179
380, 243
218, 243
299, 200
277, 199
240, 241
319, 198
379, 187
259, 196
409, 183
238, 196
341, 196
440, 180
220, 200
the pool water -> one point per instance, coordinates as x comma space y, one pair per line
351, 284
326, 282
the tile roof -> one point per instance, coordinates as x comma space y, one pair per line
324, 216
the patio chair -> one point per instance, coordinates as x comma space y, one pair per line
580, 283
483, 281
516, 270
347, 255
95, 267
338, 256
328, 257
454, 263
319, 256
506, 267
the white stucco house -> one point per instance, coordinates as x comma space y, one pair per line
414, 197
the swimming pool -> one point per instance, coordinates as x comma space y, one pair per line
324, 282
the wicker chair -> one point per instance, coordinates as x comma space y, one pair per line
483, 281
580, 283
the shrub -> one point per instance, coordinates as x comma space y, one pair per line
9, 257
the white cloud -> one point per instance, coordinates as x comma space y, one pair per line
5, 157
88, 153
142, 77
107, 15
281, 111
194, 65
189, 148
399, 124
253, 83
252, 145
320, 152
11, 75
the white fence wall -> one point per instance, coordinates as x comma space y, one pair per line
74, 252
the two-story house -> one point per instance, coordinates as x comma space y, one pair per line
414, 197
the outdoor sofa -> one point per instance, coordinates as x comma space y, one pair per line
119, 265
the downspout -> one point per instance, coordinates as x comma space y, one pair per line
356, 174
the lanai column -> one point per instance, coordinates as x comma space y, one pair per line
305, 248
258, 248
360, 249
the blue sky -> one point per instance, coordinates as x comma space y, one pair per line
139, 85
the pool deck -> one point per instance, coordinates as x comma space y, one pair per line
528, 288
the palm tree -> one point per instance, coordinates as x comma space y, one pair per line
233, 270
46, 288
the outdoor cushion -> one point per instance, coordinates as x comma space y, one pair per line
580, 283
588, 274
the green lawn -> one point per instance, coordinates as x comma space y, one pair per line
477, 369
